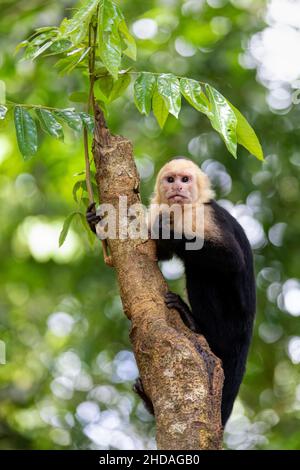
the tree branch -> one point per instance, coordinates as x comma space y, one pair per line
180, 374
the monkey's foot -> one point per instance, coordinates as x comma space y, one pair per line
173, 300
91, 217
139, 389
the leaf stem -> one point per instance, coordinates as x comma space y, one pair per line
38, 106
91, 102
93, 77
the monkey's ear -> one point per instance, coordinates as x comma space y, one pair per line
206, 193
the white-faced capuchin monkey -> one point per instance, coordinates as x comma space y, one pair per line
219, 272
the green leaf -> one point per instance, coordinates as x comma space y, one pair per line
3, 111
78, 26
26, 132
114, 37
128, 39
160, 109
85, 201
63, 65
78, 58
66, 227
246, 135
90, 235
88, 121
168, 87
193, 93
38, 44
73, 59
119, 86
110, 47
36, 51
60, 46
49, 124
143, 91
105, 84
83, 15
72, 119
21, 45
77, 186
222, 118
78, 97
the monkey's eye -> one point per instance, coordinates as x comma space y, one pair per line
185, 179
170, 179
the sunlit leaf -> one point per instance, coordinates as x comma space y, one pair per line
36, 51
49, 124
168, 87
38, 43
119, 86
3, 111
78, 26
88, 121
160, 109
193, 93
60, 46
110, 47
105, 84
90, 234
73, 59
128, 39
82, 15
66, 227
26, 132
222, 118
143, 91
246, 135
78, 59
44, 29
64, 65
21, 45
72, 119
77, 186
78, 97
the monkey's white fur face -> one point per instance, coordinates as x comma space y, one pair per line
178, 187
182, 182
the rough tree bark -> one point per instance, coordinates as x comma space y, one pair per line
180, 374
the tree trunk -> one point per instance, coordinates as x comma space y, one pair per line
180, 374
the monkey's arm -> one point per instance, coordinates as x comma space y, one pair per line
91, 217
163, 234
173, 300
94, 222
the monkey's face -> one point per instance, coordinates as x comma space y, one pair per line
180, 181
178, 187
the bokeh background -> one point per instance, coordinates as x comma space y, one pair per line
69, 369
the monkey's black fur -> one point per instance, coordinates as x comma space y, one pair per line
221, 290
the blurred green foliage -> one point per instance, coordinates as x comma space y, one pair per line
69, 370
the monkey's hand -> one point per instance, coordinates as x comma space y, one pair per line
91, 217
173, 300
139, 389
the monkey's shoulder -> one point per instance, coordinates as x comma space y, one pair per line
220, 224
